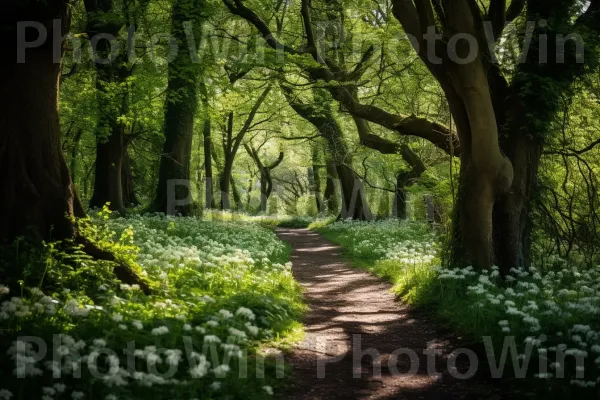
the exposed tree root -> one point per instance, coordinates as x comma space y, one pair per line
122, 270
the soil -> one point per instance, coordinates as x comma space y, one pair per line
355, 324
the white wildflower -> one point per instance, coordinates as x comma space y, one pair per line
138, 325
245, 312
161, 330
5, 394
211, 339
268, 389
221, 370
225, 314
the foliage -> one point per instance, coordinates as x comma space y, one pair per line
548, 311
224, 288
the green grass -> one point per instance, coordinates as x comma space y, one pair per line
547, 312
223, 291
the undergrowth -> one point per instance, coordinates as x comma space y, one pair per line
70, 330
550, 316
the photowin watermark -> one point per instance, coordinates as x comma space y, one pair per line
163, 48
506, 359
183, 193
209, 355
66, 358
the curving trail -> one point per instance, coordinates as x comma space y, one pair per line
348, 305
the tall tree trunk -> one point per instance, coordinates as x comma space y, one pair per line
180, 109
38, 196
225, 180
316, 178
330, 197
400, 206
111, 94
237, 199
108, 184
129, 197
206, 133
266, 186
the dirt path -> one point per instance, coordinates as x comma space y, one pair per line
346, 306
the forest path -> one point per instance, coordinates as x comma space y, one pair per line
351, 306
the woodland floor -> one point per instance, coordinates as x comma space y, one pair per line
344, 302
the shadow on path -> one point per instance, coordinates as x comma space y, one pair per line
350, 306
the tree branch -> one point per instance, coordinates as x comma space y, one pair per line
236, 7
437, 134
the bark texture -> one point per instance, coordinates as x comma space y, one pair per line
173, 193
38, 198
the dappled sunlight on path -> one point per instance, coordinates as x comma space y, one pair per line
353, 313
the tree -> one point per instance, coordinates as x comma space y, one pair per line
39, 198
231, 145
478, 94
266, 181
180, 108
491, 221
209, 199
38, 195
105, 20
320, 114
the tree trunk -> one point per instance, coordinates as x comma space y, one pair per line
354, 197
208, 170
129, 197
180, 109
108, 185
264, 190
225, 183
38, 196
400, 196
111, 94
472, 235
237, 199
512, 212
354, 201
330, 194
249, 193
316, 179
